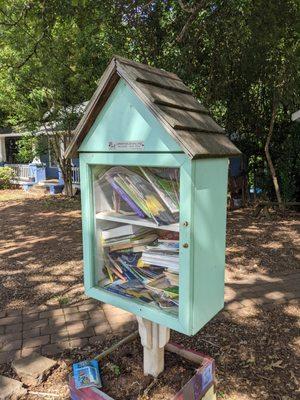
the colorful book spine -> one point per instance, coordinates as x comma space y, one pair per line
126, 198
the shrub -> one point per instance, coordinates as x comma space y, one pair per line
7, 174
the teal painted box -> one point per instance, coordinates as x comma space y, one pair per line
145, 119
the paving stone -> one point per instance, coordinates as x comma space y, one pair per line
30, 350
11, 345
111, 310
14, 328
78, 316
11, 388
31, 317
31, 310
2, 314
8, 356
52, 313
102, 328
9, 337
84, 333
75, 326
70, 310
10, 320
97, 315
89, 307
51, 349
31, 333
123, 326
33, 369
78, 342
57, 320
35, 324
36, 341
45, 330
119, 318
58, 337
11, 313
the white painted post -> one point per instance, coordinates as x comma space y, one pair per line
154, 337
2, 149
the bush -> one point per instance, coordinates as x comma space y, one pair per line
7, 174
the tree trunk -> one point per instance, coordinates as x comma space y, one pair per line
66, 171
268, 156
59, 146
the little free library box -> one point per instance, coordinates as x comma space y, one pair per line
153, 168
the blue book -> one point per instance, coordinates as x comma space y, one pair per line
87, 374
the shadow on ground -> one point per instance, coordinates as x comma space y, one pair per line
255, 341
41, 253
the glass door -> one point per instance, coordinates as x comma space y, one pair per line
136, 211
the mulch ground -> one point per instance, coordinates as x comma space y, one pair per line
256, 352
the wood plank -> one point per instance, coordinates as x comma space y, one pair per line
201, 110
187, 120
203, 145
105, 87
134, 220
148, 68
178, 120
153, 108
154, 79
156, 95
190, 142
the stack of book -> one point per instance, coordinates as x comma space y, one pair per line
140, 264
164, 254
147, 193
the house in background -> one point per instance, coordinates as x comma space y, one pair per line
47, 173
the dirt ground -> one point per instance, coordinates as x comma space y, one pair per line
41, 250
257, 353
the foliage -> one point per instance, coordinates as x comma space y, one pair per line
7, 174
29, 147
240, 57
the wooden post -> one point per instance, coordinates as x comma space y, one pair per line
154, 337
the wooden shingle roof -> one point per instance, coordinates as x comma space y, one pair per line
171, 102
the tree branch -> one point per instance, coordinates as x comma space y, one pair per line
188, 9
32, 53
267, 152
194, 12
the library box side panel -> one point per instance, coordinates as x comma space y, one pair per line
209, 211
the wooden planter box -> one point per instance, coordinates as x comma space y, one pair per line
199, 387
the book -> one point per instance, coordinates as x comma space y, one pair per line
165, 188
139, 194
123, 230
126, 198
150, 238
86, 374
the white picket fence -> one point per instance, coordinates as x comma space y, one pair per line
21, 171
75, 176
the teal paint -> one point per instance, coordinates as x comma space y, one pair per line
87, 161
125, 118
203, 188
209, 230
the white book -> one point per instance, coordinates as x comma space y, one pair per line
124, 230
